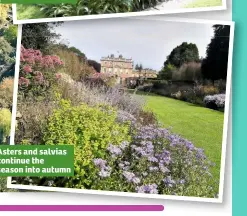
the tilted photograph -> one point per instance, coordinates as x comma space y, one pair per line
144, 103
91, 9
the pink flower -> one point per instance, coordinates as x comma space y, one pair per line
27, 68
24, 82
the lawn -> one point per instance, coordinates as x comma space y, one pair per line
204, 3
29, 12
202, 126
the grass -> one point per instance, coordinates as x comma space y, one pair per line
29, 12
202, 126
203, 3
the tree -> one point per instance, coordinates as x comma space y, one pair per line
10, 35
214, 66
81, 55
167, 71
94, 64
38, 36
6, 52
184, 53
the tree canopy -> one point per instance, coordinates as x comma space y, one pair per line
38, 36
184, 53
214, 66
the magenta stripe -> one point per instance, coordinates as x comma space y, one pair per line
81, 207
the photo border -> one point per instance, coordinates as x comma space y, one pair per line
130, 194
116, 15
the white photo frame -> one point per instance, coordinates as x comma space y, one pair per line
128, 194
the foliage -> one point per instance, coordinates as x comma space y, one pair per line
90, 130
37, 72
155, 162
215, 101
184, 53
5, 123
214, 66
94, 94
75, 63
84, 7
200, 125
10, 35
167, 72
32, 116
38, 36
4, 8
94, 64
6, 52
6, 93
3, 184
190, 71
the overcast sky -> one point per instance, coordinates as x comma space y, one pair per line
146, 41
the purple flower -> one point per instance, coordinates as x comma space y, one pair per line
104, 173
128, 175
150, 188
115, 150
168, 181
136, 180
152, 159
153, 169
99, 163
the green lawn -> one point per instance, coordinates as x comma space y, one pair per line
203, 3
202, 126
28, 12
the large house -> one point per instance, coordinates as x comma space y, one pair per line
123, 68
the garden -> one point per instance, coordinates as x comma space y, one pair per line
91, 7
8, 34
139, 141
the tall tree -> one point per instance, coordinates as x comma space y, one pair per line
38, 36
214, 66
184, 53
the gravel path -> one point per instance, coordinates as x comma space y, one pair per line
172, 4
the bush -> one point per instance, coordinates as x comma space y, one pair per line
156, 162
6, 93
90, 130
32, 117
94, 94
215, 102
73, 64
188, 72
5, 124
37, 72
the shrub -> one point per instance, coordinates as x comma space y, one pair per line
215, 101
5, 123
37, 72
94, 94
90, 130
32, 117
156, 162
6, 93
73, 64
188, 72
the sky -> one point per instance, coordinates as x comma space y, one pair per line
148, 42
